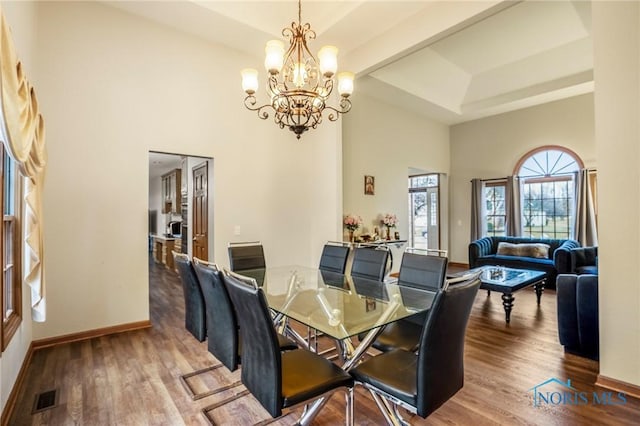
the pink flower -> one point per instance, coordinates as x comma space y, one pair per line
352, 221
389, 220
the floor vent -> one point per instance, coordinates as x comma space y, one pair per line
45, 401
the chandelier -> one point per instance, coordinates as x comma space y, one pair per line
298, 85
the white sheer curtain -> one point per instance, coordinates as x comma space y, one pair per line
22, 133
585, 227
477, 209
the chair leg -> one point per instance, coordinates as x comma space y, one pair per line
196, 396
398, 416
206, 411
210, 408
389, 410
350, 407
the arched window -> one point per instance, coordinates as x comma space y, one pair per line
547, 182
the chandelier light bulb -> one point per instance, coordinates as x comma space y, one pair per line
274, 56
345, 83
299, 75
328, 57
249, 80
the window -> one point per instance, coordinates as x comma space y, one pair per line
11, 279
424, 211
547, 178
495, 209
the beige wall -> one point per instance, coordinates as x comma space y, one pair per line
617, 105
384, 141
116, 87
21, 17
491, 147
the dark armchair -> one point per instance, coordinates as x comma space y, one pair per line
584, 260
577, 298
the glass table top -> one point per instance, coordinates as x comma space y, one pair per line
507, 277
338, 305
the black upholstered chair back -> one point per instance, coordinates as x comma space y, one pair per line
194, 309
441, 350
246, 256
369, 263
418, 270
222, 324
261, 358
334, 258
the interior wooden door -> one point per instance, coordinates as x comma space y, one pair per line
200, 212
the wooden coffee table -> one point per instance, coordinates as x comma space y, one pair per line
507, 281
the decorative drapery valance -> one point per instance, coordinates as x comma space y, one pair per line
22, 133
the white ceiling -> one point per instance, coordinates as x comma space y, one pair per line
160, 163
453, 61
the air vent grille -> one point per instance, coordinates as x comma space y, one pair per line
45, 401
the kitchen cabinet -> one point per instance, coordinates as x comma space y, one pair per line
162, 248
171, 192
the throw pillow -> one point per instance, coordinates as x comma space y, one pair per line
508, 249
537, 250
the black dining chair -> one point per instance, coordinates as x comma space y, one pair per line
246, 255
421, 271
279, 380
421, 382
223, 340
370, 262
333, 262
334, 257
221, 319
194, 309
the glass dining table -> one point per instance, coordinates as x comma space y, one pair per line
340, 306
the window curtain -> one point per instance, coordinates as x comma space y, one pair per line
585, 227
477, 209
512, 206
22, 133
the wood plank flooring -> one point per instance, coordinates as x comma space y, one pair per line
132, 378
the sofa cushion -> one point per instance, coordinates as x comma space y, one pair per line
535, 250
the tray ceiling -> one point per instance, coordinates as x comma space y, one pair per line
453, 61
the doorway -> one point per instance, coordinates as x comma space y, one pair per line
172, 208
424, 211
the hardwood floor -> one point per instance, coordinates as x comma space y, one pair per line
132, 378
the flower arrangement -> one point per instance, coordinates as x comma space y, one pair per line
389, 220
352, 222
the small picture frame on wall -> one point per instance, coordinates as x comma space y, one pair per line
369, 185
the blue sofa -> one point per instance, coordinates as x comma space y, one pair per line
484, 252
577, 297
